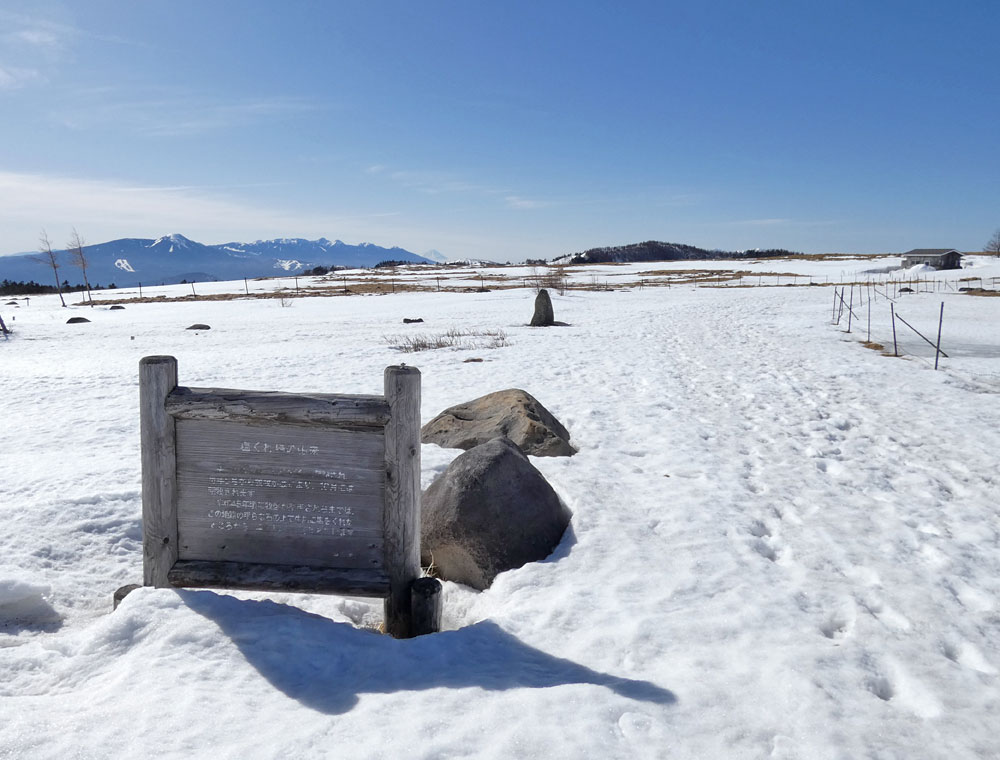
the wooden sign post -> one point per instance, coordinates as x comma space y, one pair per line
274, 491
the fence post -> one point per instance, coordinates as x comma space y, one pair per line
869, 320
833, 314
892, 308
425, 606
850, 310
157, 378
402, 495
937, 350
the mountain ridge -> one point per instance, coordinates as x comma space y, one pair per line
654, 250
172, 258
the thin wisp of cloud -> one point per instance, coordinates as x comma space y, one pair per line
105, 210
178, 114
42, 38
115, 209
517, 202
781, 222
49, 32
15, 77
438, 182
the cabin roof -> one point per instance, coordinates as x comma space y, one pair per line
931, 252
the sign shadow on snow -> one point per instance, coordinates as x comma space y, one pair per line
326, 665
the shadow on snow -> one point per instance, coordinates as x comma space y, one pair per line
326, 665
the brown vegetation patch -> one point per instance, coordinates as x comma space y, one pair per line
490, 277
835, 256
795, 275
687, 272
454, 338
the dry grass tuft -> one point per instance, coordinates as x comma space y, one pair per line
454, 338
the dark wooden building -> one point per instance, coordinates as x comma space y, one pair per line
939, 258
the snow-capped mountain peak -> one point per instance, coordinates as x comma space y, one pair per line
435, 255
174, 241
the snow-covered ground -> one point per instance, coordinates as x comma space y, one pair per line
784, 544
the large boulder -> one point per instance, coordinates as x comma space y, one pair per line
512, 413
490, 511
544, 316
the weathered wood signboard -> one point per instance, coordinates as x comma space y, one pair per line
277, 491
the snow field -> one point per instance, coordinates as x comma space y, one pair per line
783, 544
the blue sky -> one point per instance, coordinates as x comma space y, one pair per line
503, 130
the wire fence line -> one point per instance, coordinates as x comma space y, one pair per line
856, 314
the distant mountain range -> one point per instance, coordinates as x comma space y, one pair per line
173, 258
653, 250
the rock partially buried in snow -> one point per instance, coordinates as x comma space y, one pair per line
121, 593
512, 413
76, 320
544, 316
198, 326
490, 511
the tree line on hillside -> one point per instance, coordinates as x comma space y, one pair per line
32, 288
654, 250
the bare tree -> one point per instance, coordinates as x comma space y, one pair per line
993, 246
79, 258
48, 257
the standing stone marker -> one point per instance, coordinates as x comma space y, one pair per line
272, 491
543, 316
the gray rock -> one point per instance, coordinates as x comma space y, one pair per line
198, 326
512, 413
490, 511
76, 320
121, 593
543, 316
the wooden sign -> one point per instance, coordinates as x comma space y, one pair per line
273, 491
